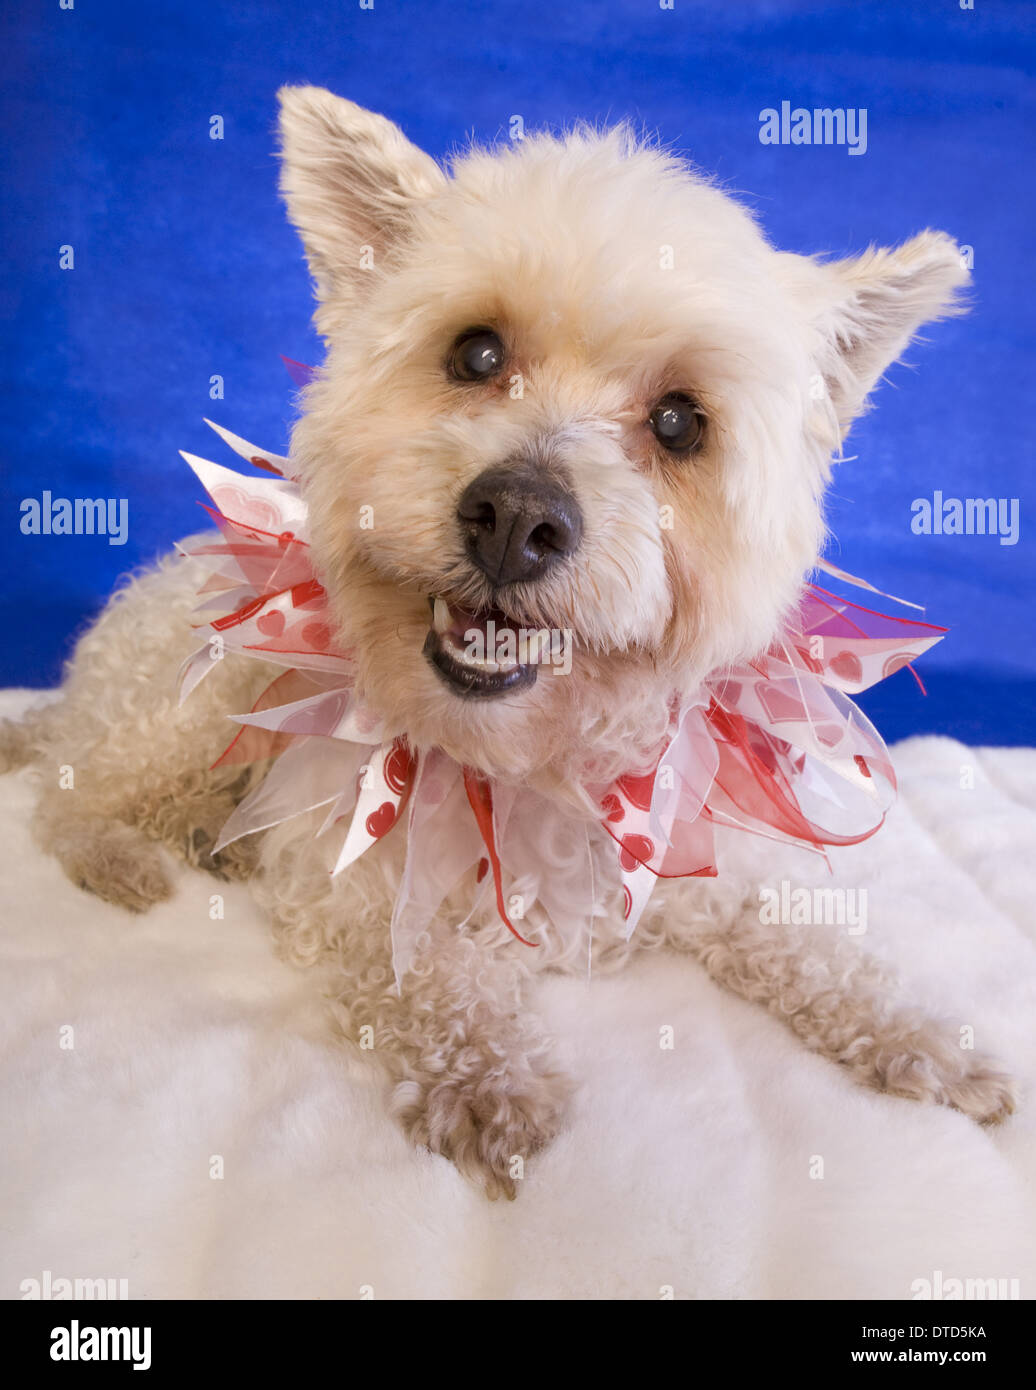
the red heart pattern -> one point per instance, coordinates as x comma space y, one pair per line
848, 667
397, 766
636, 850
317, 636
381, 821
896, 663
638, 790
271, 624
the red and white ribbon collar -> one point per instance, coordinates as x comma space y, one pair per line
774, 746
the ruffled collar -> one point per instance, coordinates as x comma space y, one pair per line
774, 747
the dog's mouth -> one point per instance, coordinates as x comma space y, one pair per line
480, 654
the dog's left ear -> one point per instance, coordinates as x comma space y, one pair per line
867, 309
351, 180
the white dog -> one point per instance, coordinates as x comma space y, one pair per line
569, 387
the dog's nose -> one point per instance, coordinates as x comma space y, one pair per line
518, 522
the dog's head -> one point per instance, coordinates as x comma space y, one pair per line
569, 388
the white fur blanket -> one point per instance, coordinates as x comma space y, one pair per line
688, 1168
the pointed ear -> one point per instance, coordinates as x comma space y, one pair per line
351, 180
868, 309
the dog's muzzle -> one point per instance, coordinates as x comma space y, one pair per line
518, 523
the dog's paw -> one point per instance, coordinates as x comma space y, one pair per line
487, 1128
202, 824
114, 861
926, 1062
984, 1093
234, 862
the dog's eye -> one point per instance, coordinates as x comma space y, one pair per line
477, 355
677, 422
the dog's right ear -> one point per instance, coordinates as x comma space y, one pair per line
351, 180
867, 309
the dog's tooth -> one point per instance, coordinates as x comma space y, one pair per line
441, 616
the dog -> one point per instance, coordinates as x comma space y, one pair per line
530, 357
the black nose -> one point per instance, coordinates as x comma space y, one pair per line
518, 522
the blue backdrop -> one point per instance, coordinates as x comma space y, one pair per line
185, 268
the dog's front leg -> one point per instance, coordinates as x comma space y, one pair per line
471, 1068
841, 1003
473, 1074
